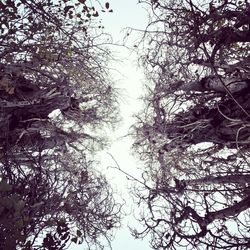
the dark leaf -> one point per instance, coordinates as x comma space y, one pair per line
65, 236
78, 233
107, 5
30, 18
96, 14
74, 240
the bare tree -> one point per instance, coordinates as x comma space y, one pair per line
55, 93
50, 62
55, 197
194, 133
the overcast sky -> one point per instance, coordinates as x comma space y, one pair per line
129, 78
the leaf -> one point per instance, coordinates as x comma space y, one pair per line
65, 236
78, 233
74, 240
107, 5
95, 14
30, 18
61, 223
82, 1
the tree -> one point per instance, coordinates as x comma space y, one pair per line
55, 95
56, 198
49, 62
194, 133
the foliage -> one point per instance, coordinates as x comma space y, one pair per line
55, 197
207, 34
55, 93
194, 133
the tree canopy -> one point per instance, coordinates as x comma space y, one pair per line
55, 93
194, 132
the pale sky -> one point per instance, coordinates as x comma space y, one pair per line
126, 14
129, 78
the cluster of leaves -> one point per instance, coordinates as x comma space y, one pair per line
208, 33
38, 13
55, 94
194, 133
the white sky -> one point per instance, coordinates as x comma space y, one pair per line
129, 78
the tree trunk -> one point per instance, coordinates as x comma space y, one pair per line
237, 178
233, 210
